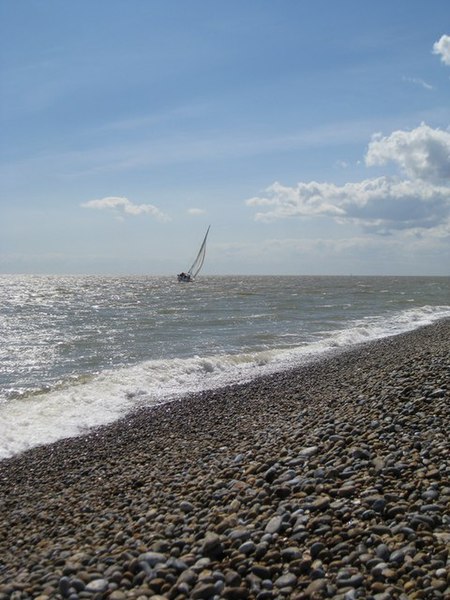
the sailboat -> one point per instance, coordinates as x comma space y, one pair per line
197, 264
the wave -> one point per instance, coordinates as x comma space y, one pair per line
73, 408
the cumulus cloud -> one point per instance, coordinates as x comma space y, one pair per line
304, 200
124, 206
442, 47
422, 153
383, 204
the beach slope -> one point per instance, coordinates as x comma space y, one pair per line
331, 480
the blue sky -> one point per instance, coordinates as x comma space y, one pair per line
312, 135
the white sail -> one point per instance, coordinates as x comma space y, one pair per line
200, 259
197, 264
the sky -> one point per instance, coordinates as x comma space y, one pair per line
312, 135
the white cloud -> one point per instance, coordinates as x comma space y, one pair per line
442, 47
381, 205
196, 211
306, 199
417, 81
421, 153
342, 164
124, 206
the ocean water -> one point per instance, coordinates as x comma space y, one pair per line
78, 352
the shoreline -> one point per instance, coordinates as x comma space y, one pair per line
308, 483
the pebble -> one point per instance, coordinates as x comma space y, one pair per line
329, 481
97, 586
287, 580
308, 452
274, 525
152, 558
316, 586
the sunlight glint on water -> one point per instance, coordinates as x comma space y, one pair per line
77, 352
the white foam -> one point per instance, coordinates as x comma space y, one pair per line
72, 409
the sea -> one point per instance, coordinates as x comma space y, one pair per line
77, 352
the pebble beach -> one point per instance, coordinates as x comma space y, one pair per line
328, 481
